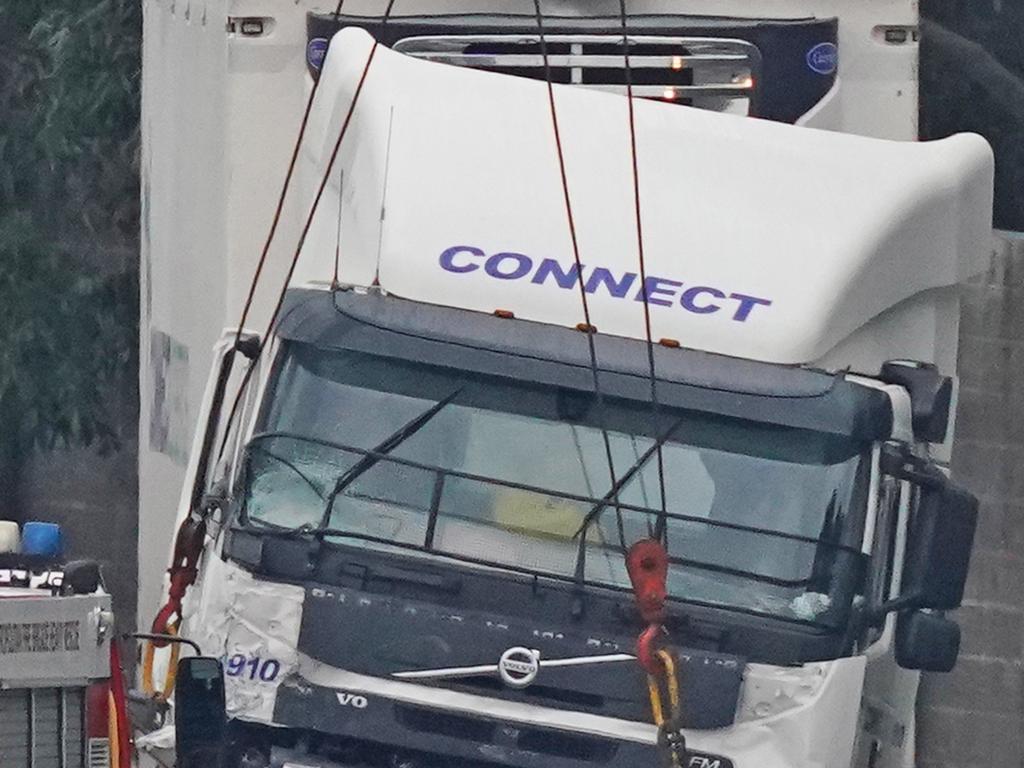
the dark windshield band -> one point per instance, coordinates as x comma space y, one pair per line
555, 356
410, 379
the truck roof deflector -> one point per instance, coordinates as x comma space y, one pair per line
804, 236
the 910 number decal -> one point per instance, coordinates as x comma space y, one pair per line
253, 668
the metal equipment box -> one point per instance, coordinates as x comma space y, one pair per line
52, 648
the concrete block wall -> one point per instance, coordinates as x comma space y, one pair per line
974, 717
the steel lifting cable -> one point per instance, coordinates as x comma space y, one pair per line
174, 604
661, 532
648, 562
281, 198
588, 326
305, 230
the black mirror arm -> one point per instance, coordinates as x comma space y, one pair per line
875, 615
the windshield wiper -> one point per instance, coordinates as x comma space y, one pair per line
613, 494
387, 445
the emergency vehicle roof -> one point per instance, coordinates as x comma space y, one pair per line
763, 241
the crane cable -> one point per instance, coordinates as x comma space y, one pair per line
183, 573
236, 405
660, 532
279, 209
648, 561
587, 326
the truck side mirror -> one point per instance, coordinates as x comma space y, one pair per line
931, 396
927, 642
939, 547
225, 351
200, 714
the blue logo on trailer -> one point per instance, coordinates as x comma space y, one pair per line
316, 52
823, 58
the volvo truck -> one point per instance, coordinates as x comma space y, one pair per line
415, 479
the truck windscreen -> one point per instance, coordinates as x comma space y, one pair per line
382, 453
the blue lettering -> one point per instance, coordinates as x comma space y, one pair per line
550, 267
689, 300
654, 285
448, 259
747, 304
618, 289
508, 265
523, 266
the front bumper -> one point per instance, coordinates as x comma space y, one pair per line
332, 713
368, 725
423, 726
291, 758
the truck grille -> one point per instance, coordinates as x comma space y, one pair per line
42, 728
710, 73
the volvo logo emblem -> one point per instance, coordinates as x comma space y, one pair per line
518, 667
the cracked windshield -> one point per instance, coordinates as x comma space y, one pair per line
388, 453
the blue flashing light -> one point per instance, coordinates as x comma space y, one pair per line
42, 540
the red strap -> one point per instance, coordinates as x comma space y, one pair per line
188, 547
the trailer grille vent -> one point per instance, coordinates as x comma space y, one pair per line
99, 753
710, 73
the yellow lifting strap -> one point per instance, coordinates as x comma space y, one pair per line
148, 655
669, 735
654, 688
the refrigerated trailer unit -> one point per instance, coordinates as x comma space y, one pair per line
415, 536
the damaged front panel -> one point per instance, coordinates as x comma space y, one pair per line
253, 625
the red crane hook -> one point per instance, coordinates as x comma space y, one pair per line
647, 564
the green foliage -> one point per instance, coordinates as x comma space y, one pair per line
69, 93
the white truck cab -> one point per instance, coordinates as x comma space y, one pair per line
417, 516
